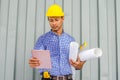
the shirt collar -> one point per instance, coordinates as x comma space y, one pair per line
55, 33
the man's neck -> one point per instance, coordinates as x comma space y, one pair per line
58, 32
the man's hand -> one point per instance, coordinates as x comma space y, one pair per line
77, 64
34, 62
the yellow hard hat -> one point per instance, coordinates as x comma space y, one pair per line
54, 10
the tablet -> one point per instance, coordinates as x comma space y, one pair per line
44, 57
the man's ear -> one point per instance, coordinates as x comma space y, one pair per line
62, 18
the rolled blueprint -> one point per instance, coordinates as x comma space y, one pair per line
90, 54
73, 55
73, 50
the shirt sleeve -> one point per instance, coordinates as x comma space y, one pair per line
39, 44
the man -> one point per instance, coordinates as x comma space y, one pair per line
58, 43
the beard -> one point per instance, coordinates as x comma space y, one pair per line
56, 29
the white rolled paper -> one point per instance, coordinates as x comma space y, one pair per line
90, 54
73, 55
73, 50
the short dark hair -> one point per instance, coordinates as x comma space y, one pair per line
61, 17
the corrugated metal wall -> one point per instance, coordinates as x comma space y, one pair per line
94, 21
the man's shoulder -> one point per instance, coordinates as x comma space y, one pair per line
45, 34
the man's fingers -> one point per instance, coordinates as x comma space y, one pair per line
77, 64
73, 63
34, 59
34, 65
34, 62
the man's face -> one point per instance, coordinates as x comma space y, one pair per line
56, 23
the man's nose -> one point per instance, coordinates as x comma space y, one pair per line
54, 22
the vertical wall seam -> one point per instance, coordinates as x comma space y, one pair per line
63, 5
72, 18
116, 38
107, 38
35, 35
98, 38
35, 21
16, 40
63, 10
25, 34
89, 34
6, 39
0, 12
44, 15
89, 28
81, 20
81, 31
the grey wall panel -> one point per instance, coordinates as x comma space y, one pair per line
85, 35
3, 36
96, 22
30, 33
76, 26
68, 16
111, 40
40, 27
60, 2
118, 36
20, 43
40, 20
76, 20
48, 4
11, 40
93, 38
103, 40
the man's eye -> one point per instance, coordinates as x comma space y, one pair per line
51, 20
56, 19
